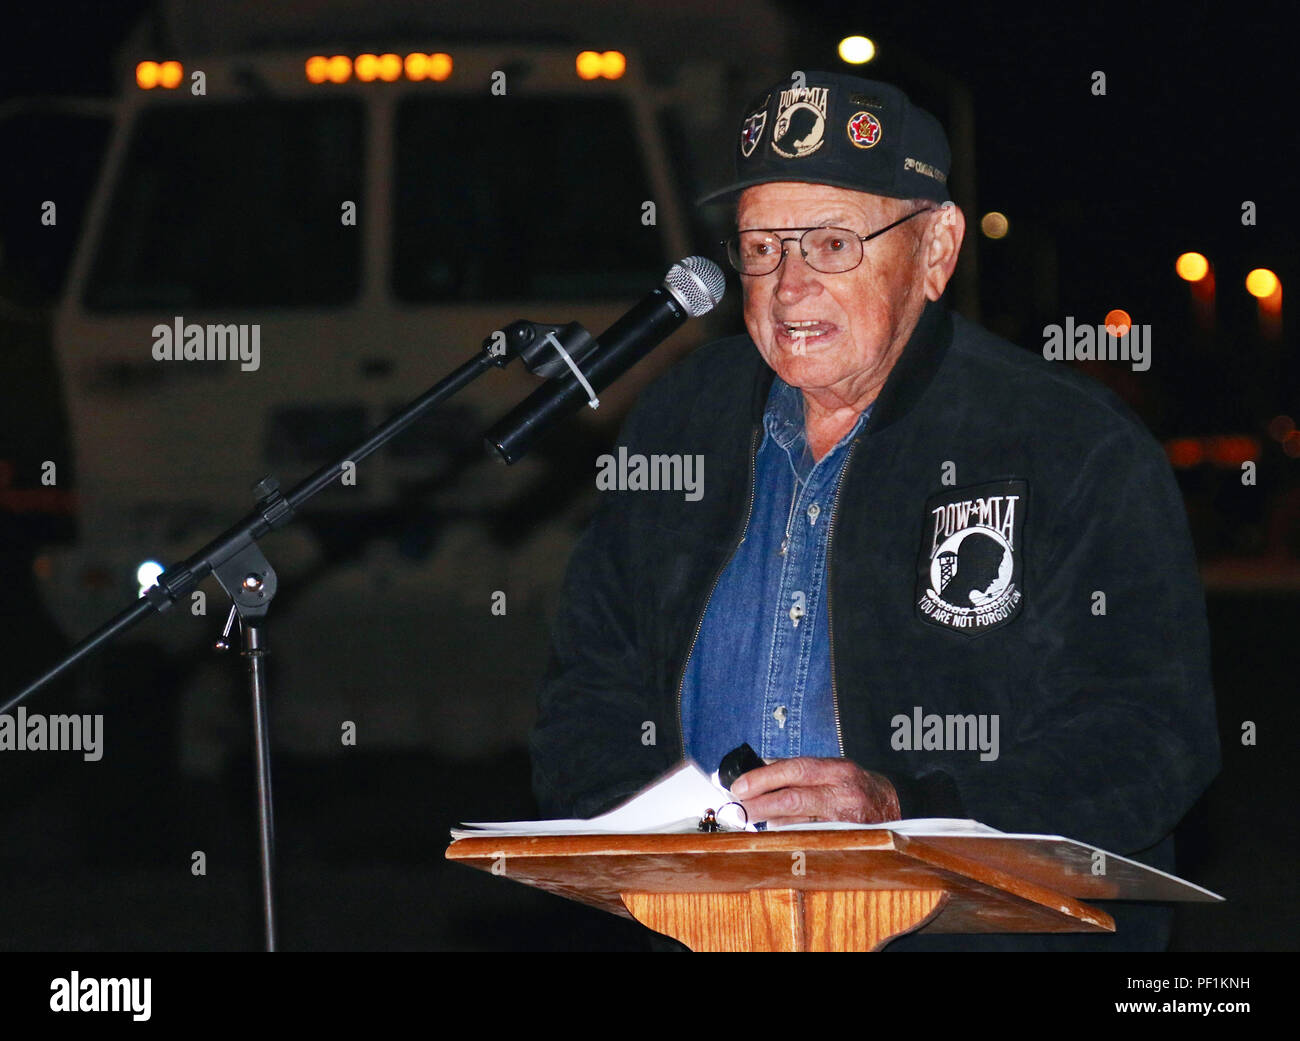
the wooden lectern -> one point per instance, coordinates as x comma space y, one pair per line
827, 890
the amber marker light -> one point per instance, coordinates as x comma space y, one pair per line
169, 75
613, 64
416, 66
339, 69
366, 67
439, 66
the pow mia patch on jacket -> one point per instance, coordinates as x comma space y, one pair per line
968, 574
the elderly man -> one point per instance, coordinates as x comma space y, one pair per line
932, 574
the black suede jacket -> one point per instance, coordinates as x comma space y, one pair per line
1097, 666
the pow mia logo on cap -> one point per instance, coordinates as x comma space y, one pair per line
968, 574
864, 130
800, 121
752, 131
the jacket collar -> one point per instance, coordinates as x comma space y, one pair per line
906, 382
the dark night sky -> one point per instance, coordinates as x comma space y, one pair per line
1196, 120
1198, 116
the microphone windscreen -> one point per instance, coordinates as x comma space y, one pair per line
697, 283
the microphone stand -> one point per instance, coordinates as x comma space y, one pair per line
237, 562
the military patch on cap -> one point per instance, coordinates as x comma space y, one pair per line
841, 130
752, 132
864, 130
924, 168
800, 121
969, 572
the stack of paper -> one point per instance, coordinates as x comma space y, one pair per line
677, 802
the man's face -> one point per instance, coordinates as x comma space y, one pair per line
863, 317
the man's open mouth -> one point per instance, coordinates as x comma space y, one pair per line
804, 332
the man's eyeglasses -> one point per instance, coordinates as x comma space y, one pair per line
832, 251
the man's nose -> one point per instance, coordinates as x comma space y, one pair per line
794, 277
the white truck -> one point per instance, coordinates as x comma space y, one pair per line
370, 203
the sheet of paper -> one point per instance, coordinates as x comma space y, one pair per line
673, 803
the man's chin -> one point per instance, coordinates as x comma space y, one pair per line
805, 371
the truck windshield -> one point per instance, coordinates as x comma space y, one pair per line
526, 198
234, 205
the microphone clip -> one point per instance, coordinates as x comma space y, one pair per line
531, 341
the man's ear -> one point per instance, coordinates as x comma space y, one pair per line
941, 249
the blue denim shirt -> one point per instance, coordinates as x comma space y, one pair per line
760, 671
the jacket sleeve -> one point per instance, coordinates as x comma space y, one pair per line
1117, 736
598, 738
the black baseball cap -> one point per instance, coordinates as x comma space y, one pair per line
830, 128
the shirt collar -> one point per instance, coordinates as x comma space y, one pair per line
784, 421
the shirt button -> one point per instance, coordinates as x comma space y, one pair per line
814, 511
797, 609
780, 715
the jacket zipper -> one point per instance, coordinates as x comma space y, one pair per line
830, 585
681, 682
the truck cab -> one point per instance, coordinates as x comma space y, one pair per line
371, 211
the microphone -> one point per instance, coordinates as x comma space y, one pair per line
692, 288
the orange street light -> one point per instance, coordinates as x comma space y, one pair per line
856, 50
994, 225
1262, 283
1192, 267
